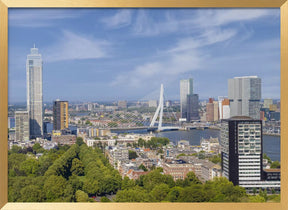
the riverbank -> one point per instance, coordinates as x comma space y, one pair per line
271, 144
271, 134
265, 134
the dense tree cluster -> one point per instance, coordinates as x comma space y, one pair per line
77, 173
66, 174
153, 143
100, 177
27, 182
157, 187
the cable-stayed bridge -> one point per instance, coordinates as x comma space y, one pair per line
135, 121
159, 112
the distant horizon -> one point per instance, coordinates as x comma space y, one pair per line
125, 54
114, 101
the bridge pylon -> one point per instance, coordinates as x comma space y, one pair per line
159, 111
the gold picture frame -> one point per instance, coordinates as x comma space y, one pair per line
5, 4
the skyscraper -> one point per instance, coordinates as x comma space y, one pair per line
60, 115
241, 149
241, 154
34, 92
22, 126
244, 94
186, 88
192, 107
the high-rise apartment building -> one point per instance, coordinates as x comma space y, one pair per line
34, 92
244, 94
210, 110
186, 88
60, 115
22, 126
241, 146
216, 110
224, 107
192, 107
241, 153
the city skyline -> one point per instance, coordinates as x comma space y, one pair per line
185, 46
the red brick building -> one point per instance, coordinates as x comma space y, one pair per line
178, 171
64, 139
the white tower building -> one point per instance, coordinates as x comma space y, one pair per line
34, 92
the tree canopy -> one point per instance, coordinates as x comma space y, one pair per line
77, 173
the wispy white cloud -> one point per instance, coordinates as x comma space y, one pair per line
73, 46
164, 70
39, 18
222, 17
183, 57
189, 53
146, 25
120, 19
208, 37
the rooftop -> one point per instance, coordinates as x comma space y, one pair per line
241, 118
272, 169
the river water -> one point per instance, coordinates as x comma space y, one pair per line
271, 144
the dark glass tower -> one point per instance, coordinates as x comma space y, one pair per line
192, 107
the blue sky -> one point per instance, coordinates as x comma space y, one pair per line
125, 54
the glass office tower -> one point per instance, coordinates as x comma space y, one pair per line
186, 88
244, 94
34, 93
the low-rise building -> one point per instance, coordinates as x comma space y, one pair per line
92, 142
272, 174
135, 174
64, 139
210, 170
118, 154
178, 170
207, 144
